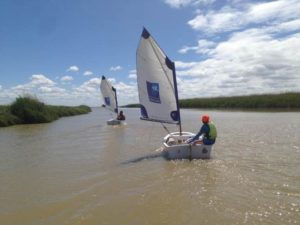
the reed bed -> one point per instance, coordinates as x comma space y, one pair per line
285, 101
29, 110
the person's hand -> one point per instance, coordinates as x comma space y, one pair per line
188, 141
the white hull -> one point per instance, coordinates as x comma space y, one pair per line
113, 122
174, 147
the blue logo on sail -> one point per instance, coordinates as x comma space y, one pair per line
153, 92
107, 100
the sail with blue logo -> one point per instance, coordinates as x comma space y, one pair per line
109, 95
156, 80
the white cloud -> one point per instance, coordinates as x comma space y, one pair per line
40, 79
73, 69
132, 74
185, 65
52, 90
93, 82
66, 78
230, 19
226, 19
249, 62
86, 93
115, 68
244, 48
184, 3
45, 89
262, 56
22, 88
111, 80
127, 93
275, 10
203, 47
39, 85
290, 26
90, 86
87, 73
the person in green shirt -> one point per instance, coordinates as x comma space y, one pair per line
208, 130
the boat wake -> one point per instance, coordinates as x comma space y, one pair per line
158, 153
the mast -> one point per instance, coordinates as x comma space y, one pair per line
171, 65
115, 91
177, 101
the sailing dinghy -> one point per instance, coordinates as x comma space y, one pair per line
109, 94
158, 96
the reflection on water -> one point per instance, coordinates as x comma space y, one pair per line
72, 171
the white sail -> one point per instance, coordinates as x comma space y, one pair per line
156, 80
109, 95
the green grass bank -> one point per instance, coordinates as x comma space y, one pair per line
28, 110
283, 101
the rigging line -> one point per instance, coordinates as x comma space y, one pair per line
165, 128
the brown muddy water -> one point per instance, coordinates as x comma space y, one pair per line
78, 170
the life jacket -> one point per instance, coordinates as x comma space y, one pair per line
212, 131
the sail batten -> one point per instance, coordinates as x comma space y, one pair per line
109, 95
156, 80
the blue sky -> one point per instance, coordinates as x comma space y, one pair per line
58, 50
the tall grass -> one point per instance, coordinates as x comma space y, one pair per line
28, 110
286, 101
6, 118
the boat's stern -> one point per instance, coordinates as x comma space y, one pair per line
175, 147
113, 122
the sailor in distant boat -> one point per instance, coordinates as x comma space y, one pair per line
208, 131
121, 116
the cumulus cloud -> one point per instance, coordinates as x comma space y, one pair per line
249, 62
290, 26
184, 65
40, 79
39, 85
73, 69
51, 93
132, 74
115, 68
245, 47
260, 55
184, 3
87, 73
90, 86
66, 78
127, 93
237, 17
52, 90
203, 47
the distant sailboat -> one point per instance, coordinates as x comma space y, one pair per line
158, 95
109, 94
